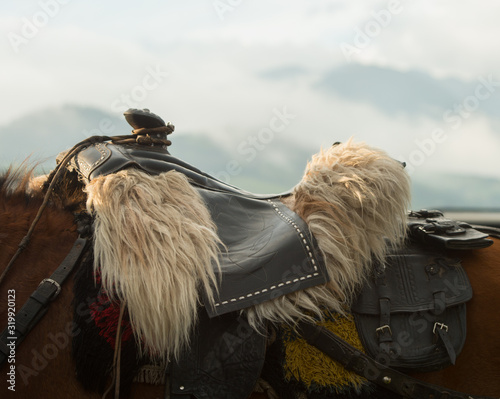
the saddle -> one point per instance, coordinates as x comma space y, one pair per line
269, 249
270, 252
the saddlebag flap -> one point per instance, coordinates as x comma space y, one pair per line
431, 227
411, 313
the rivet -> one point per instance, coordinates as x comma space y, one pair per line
387, 380
181, 387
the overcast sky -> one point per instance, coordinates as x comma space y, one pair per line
225, 68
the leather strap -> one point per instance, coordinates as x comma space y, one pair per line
442, 331
37, 304
384, 331
431, 227
490, 230
354, 360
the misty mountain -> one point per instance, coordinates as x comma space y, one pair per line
410, 92
456, 191
48, 132
43, 134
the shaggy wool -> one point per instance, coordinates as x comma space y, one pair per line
155, 248
155, 242
354, 199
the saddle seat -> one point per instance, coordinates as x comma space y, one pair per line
102, 159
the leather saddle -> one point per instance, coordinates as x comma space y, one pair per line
269, 251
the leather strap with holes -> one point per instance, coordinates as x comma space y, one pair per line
37, 304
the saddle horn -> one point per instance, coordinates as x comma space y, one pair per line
146, 123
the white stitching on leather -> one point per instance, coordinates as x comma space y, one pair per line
311, 258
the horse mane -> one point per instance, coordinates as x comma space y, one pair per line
16, 184
22, 184
21, 196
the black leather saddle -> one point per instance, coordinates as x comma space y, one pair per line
269, 250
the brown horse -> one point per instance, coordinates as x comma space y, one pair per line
43, 363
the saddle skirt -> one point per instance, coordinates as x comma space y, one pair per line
268, 249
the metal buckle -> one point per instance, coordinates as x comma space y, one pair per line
381, 329
442, 326
447, 227
58, 286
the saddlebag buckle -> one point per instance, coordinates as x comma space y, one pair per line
441, 326
383, 330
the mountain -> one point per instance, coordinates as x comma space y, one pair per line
456, 191
48, 132
409, 92
43, 134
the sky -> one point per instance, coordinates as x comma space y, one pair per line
417, 79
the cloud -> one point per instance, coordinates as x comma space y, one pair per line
470, 150
93, 52
446, 38
217, 72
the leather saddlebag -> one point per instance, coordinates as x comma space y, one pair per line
411, 313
